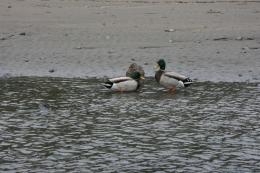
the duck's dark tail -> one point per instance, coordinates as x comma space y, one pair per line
108, 84
187, 82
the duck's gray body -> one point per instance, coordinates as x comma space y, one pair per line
172, 79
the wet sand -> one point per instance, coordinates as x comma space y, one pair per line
206, 40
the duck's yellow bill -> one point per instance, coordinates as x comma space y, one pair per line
157, 67
142, 78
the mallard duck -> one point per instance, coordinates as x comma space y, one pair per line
135, 68
121, 84
170, 80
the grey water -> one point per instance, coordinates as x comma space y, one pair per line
75, 125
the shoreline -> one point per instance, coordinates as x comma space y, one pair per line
101, 79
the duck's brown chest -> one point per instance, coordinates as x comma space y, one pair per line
158, 75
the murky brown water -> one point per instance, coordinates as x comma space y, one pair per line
74, 125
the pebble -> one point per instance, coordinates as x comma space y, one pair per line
213, 11
111, 51
254, 48
169, 30
9, 6
249, 38
220, 39
245, 48
239, 38
51, 70
22, 33
79, 47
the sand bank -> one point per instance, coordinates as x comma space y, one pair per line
208, 41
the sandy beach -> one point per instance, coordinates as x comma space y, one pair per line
206, 40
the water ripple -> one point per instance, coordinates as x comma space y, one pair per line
74, 125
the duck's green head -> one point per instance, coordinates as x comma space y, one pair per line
160, 65
136, 75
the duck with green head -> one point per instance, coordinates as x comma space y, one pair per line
170, 80
122, 84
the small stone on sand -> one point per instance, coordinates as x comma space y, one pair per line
22, 33
51, 70
239, 38
169, 30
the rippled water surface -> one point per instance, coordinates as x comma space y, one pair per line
74, 125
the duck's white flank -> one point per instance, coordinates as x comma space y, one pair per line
128, 85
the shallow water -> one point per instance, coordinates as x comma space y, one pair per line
74, 125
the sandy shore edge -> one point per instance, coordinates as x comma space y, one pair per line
217, 41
